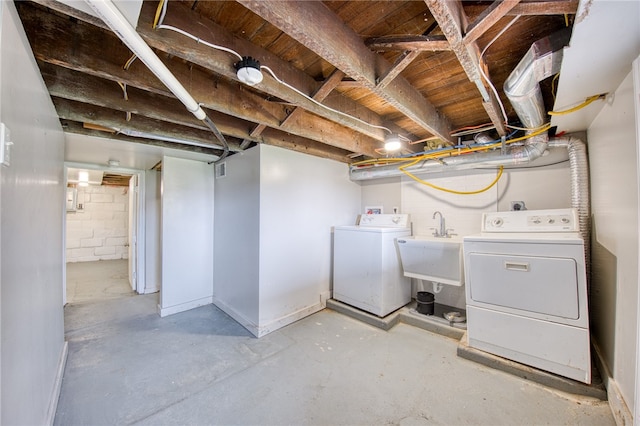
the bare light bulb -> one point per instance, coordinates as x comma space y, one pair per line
392, 143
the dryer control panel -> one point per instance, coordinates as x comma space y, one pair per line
557, 220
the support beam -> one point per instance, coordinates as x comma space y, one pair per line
401, 63
328, 37
105, 117
323, 91
422, 43
100, 102
70, 126
179, 15
488, 18
452, 20
73, 45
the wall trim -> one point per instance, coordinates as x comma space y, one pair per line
57, 386
288, 319
175, 309
619, 409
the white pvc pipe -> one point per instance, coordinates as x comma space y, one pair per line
110, 14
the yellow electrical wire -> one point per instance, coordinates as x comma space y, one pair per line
452, 191
449, 153
123, 86
129, 62
158, 11
587, 101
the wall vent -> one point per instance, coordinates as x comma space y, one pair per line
221, 170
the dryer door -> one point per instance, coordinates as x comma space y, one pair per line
544, 285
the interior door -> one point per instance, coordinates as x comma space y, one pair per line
187, 235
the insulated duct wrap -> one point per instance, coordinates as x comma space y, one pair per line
579, 168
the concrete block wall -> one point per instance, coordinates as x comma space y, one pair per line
99, 228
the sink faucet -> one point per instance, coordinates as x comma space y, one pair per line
442, 231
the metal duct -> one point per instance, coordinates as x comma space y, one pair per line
522, 87
515, 155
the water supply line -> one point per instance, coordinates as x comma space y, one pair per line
109, 13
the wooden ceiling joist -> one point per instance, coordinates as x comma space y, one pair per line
342, 72
487, 19
72, 46
222, 63
329, 38
422, 43
453, 21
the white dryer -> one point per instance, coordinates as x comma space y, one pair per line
527, 290
367, 273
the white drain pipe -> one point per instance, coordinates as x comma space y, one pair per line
111, 15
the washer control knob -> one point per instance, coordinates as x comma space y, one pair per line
395, 219
535, 220
497, 222
565, 220
551, 220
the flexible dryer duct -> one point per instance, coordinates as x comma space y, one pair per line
580, 200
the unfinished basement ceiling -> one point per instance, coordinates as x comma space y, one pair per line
407, 67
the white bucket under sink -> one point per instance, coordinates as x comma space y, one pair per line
436, 259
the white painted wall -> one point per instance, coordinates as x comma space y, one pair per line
153, 253
275, 210
614, 202
301, 198
33, 192
237, 238
381, 192
100, 229
187, 235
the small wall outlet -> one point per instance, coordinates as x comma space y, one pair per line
395, 210
517, 205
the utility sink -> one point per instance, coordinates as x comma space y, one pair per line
436, 259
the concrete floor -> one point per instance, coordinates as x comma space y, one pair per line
104, 279
127, 365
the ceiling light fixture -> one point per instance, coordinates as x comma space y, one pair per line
248, 71
83, 178
392, 143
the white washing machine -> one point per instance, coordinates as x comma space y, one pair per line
367, 273
527, 290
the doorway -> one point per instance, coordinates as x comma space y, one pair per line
103, 233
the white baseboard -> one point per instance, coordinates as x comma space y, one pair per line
170, 310
288, 319
619, 408
57, 386
271, 326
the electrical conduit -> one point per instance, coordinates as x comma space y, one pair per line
109, 13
